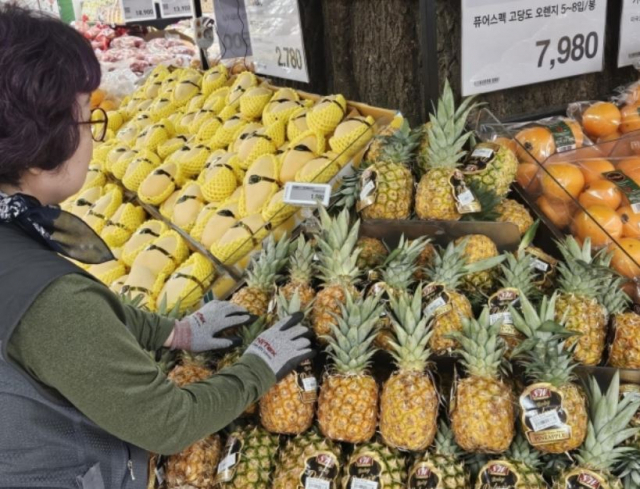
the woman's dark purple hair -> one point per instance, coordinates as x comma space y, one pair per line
44, 66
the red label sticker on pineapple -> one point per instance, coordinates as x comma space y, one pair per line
583, 479
499, 309
229, 463
307, 382
436, 300
543, 414
364, 472
423, 476
478, 159
466, 201
321, 471
498, 475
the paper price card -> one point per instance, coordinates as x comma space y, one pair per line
276, 39
138, 10
629, 51
175, 8
510, 43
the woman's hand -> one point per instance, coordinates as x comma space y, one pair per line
199, 331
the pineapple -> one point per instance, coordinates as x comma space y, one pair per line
391, 173
446, 135
409, 401
483, 411
196, 465
249, 459
624, 350
580, 281
375, 465
550, 366
348, 402
301, 272
305, 459
443, 467
373, 253
425, 260
450, 306
630, 469
338, 271
289, 406
496, 173
608, 428
478, 247
520, 469
375, 147
261, 278
514, 212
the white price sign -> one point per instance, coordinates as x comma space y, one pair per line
509, 43
276, 39
307, 194
137, 10
175, 8
629, 50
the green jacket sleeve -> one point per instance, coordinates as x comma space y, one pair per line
74, 339
150, 330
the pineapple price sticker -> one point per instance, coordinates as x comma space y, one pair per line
138, 10
510, 43
629, 47
276, 39
175, 8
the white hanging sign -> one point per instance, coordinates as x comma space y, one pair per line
276, 39
138, 10
629, 49
510, 43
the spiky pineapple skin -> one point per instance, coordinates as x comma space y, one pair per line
282, 409
625, 347
514, 212
434, 196
373, 152
196, 465
587, 317
448, 323
304, 291
483, 419
394, 192
424, 260
610, 482
372, 253
327, 304
451, 473
348, 407
479, 247
253, 300
409, 410
499, 173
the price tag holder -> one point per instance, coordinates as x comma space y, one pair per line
137, 10
629, 49
170, 9
510, 43
307, 194
276, 39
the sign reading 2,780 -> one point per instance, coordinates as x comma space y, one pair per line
519, 42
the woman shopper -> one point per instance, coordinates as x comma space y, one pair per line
81, 403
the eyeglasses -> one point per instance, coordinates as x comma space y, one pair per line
99, 122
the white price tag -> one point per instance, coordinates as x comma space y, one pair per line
175, 8
540, 265
310, 384
160, 475
307, 194
629, 48
504, 316
635, 208
367, 189
509, 43
545, 420
137, 10
357, 483
227, 462
315, 483
466, 197
276, 39
434, 305
482, 153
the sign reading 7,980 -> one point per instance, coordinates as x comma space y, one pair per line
509, 43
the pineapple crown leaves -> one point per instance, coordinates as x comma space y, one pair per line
348, 192
350, 345
629, 469
488, 200
537, 324
521, 451
481, 348
399, 267
612, 296
265, 267
301, 266
517, 272
445, 442
450, 264
528, 237
287, 307
400, 147
337, 245
412, 330
250, 332
582, 272
446, 132
608, 426
551, 361
163, 309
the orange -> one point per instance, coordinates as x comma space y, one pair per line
578, 135
527, 174
507, 143
568, 182
559, 213
536, 143
97, 96
600, 223
601, 119
592, 170
630, 222
626, 257
108, 105
630, 118
601, 192
628, 166
610, 137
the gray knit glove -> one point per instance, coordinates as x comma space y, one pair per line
283, 346
198, 332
